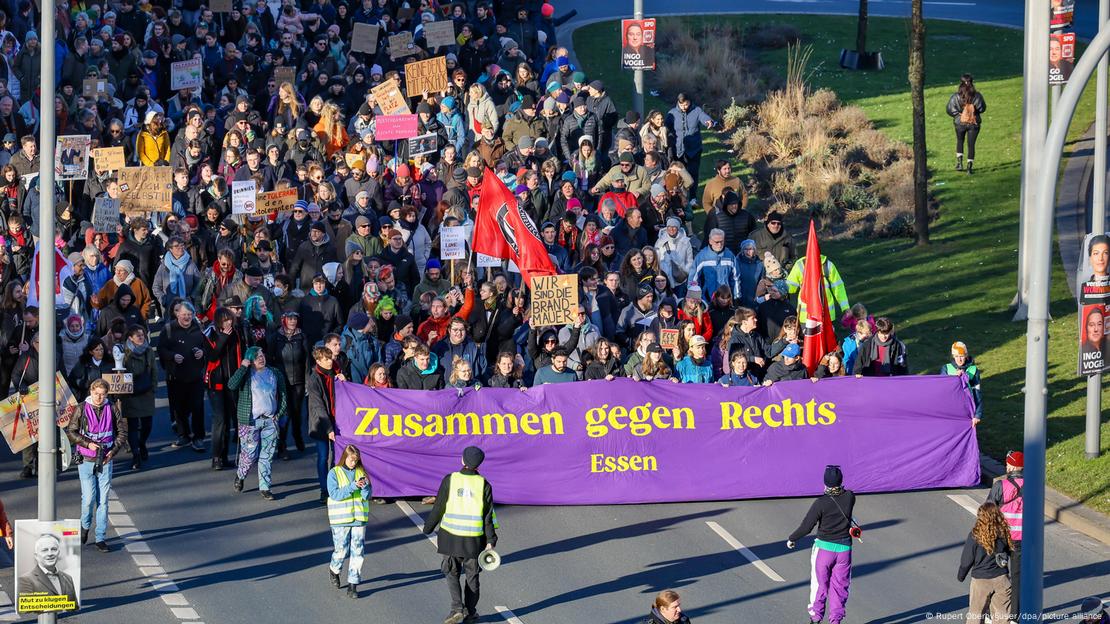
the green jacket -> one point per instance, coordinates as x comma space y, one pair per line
241, 382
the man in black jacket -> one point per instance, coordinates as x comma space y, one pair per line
181, 353
464, 513
831, 513
312, 255
746, 339
789, 368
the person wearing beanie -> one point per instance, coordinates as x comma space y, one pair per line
433, 281
261, 407
361, 345
831, 558
729, 215
963, 364
1006, 492
1092, 610
463, 513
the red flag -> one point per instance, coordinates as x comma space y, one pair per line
503, 230
819, 337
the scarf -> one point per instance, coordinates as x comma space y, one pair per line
176, 268
328, 376
138, 349
875, 344
222, 279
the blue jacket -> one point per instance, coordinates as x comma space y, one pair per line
750, 272
690, 372
467, 350
98, 277
687, 129
850, 348
737, 380
711, 269
362, 350
456, 130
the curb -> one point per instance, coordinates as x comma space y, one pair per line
1061, 508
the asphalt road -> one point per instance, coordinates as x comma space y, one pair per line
196, 551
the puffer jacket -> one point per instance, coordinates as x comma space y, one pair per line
289, 354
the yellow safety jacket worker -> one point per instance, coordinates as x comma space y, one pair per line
464, 511
836, 297
352, 509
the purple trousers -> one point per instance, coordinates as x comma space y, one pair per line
830, 576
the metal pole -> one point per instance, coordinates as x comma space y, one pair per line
1098, 226
1034, 125
1036, 355
48, 452
638, 75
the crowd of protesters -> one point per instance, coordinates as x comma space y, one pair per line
262, 314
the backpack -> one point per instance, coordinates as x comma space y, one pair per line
967, 115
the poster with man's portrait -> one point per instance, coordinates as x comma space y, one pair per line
1061, 57
71, 157
47, 566
1063, 12
1093, 286
638, 44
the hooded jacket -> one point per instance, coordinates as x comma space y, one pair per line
129, 313
309, 260
409, 377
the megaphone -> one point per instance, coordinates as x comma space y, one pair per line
489, 560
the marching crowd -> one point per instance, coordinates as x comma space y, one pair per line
263, 314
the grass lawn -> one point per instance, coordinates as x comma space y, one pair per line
960, 286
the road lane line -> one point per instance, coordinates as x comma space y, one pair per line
508, 615
743, 550
417, 520
967, 502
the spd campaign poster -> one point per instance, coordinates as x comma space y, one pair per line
638, 44
1093, 284
1061, 57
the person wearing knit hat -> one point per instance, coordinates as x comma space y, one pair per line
547, 10
1006, 492
262, 405
963, 365
360, 345
1092, 610
831, 557
463, 513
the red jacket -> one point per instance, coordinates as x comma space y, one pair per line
703, 325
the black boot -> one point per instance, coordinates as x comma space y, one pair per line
970, 164
959, 162
334, 578
352, 590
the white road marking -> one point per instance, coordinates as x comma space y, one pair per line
184, 613
743, 550
508, 615
7, 609
417, 520
965, 501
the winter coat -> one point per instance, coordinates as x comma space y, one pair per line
289, 354
482, 111
309, 260
675, 253
160, 287
223, 354
712, 269
750, 272
737, 226
411, 378
176, 340
467, 350
897, 361
362, 350
241, 382
145, 255
144, 374
320, 314
956, 106
686, 129
130, 314
600, 370
321, 406
574, 127
781, 246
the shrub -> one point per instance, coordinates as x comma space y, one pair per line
771, 36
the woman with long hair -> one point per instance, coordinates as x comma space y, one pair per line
287, 106
966, 107
330, 130
653, 366
603, 363
378, 376
348, 512
986, 557
506, 373
634, 273
655, 125
831, 365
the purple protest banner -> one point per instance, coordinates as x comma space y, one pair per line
621, 441
393, 127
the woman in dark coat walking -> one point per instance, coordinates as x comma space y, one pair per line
667, 609
966, 107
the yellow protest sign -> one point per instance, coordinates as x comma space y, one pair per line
146, 189
554, 300
389, 98
428, 76
275, 201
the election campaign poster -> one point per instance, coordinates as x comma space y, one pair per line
638, 44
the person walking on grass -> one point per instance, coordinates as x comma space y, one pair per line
261, 406
348, 512
966, 107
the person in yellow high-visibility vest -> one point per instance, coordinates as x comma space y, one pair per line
836, 297
468, 525
348, 513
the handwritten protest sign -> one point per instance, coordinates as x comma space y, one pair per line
71, 157
554, 299
108, 158
243, 197
364, 38
220, 6
452, 242
393, 127
428, 76
668, 339
485, 261
119, 383
19, 415
186, 75
284, 74
93, 87
146, 189
400, 45
275, 202
106, 214
389, 98
439, 34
